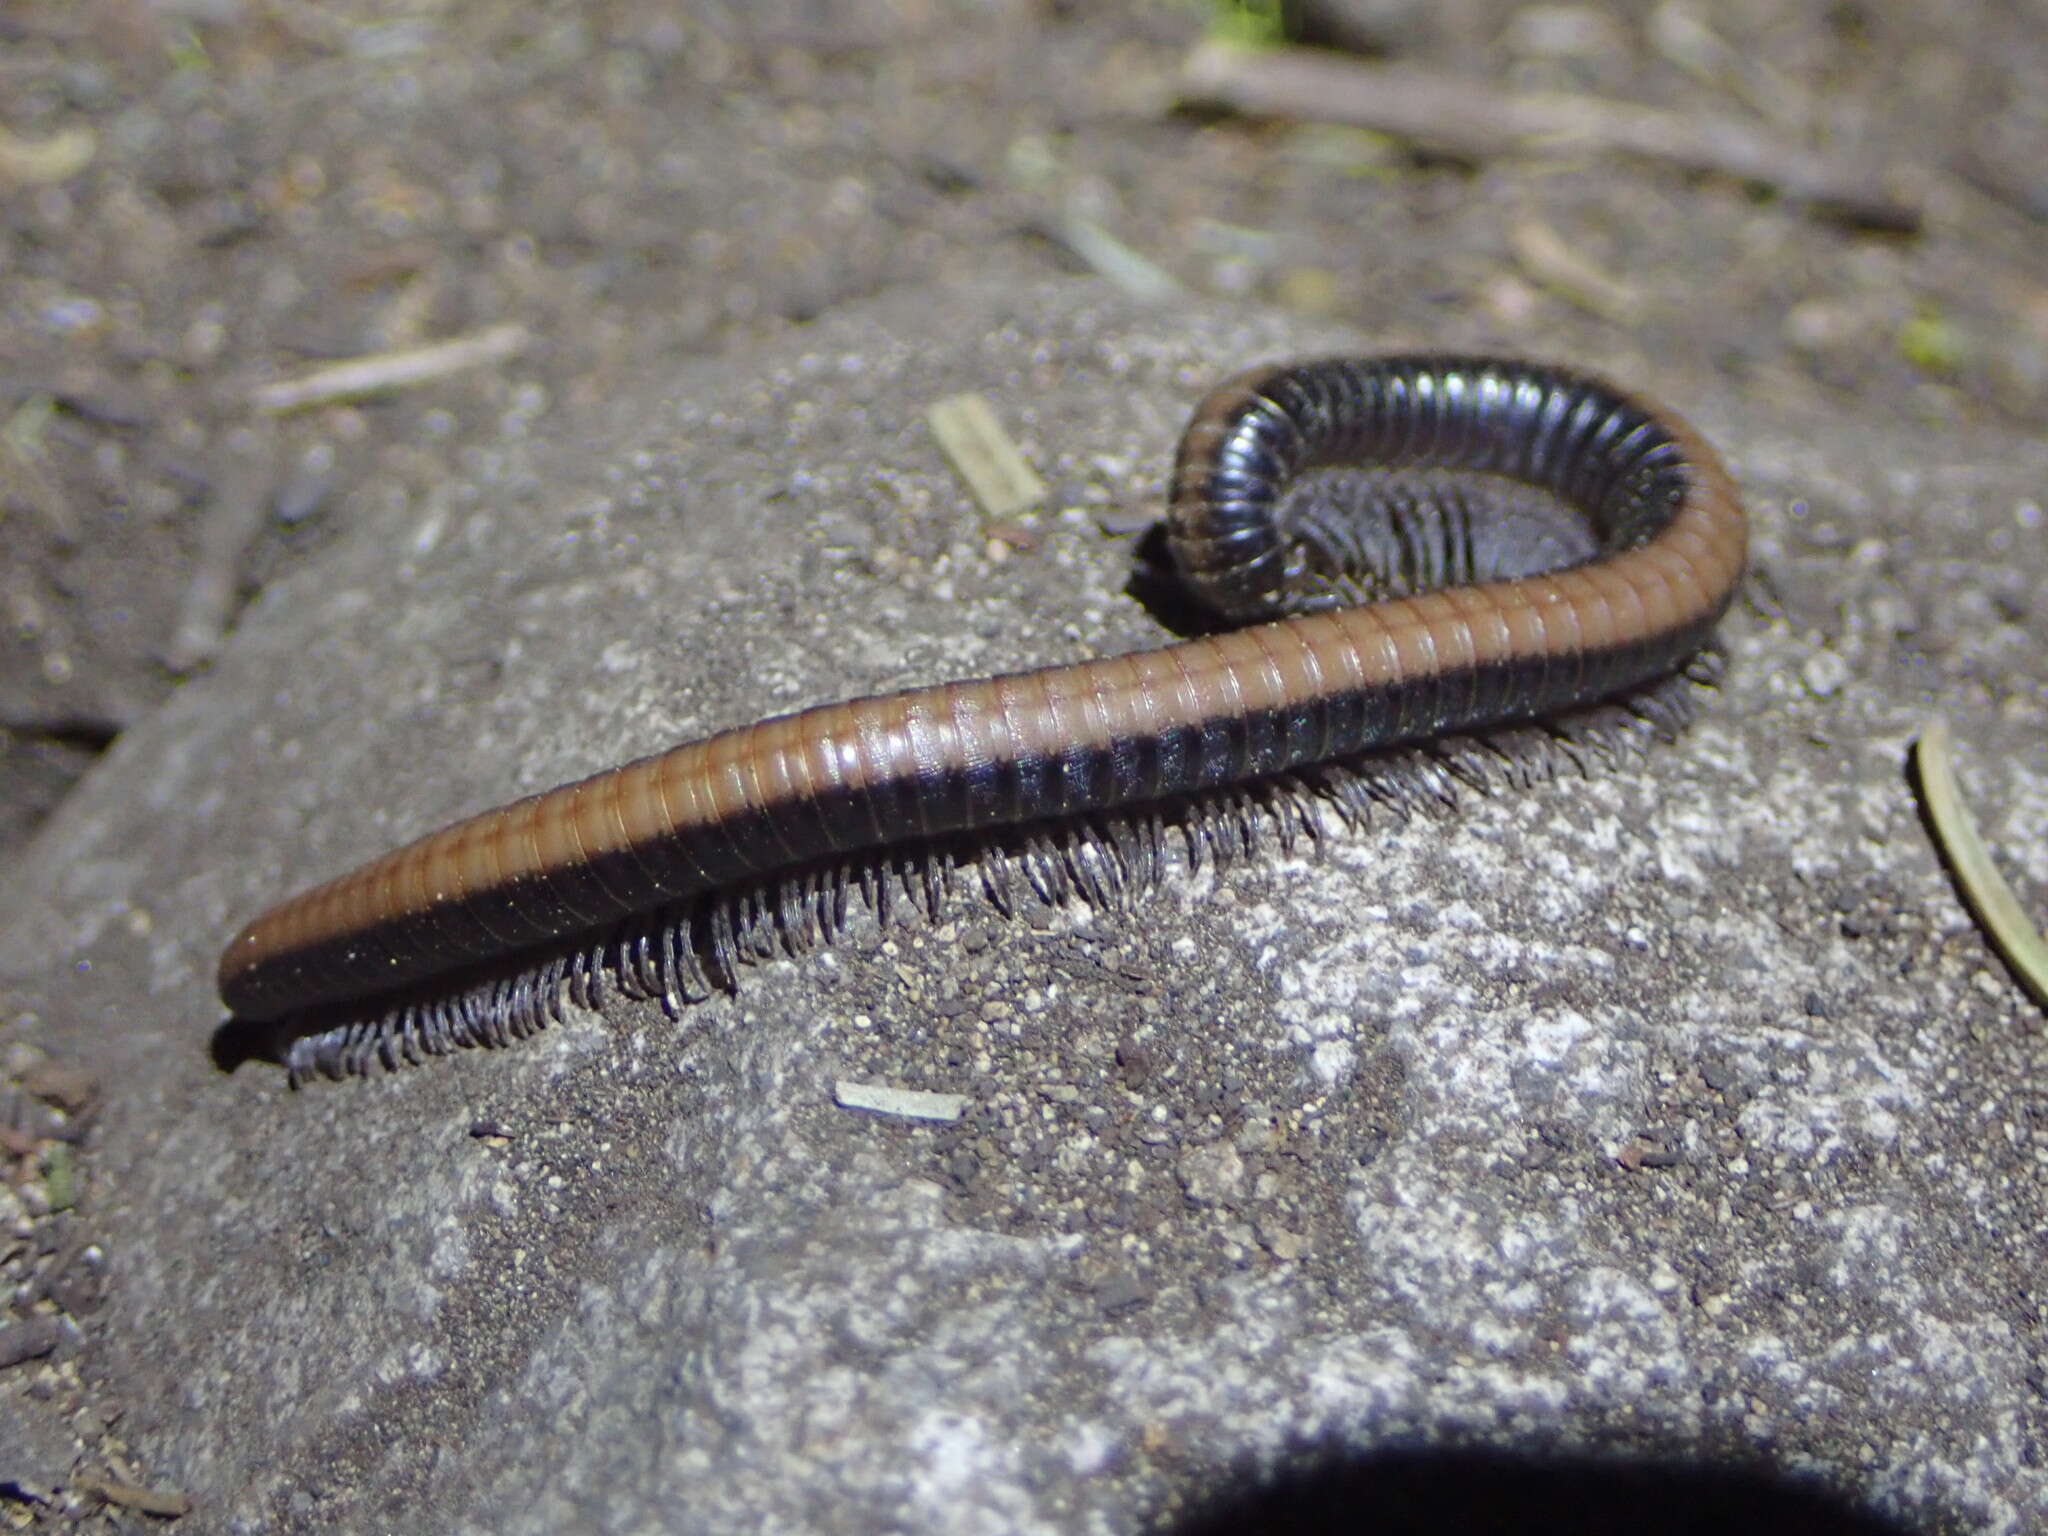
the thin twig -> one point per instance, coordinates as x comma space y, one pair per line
26, 474
233, 519
168, 1502
909, 1103
1983, 887
391, 370
1138, 275
39, 162
984, 455
1474, 119
1559, 266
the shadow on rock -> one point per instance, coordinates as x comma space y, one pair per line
1497, 1493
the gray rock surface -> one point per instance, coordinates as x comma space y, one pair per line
1680, 1110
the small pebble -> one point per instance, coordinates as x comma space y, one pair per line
30, 1339
1824, 673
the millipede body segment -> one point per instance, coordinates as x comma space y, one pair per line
1417, 545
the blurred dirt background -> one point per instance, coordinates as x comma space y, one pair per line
200, 198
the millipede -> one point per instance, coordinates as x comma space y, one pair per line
1436, 568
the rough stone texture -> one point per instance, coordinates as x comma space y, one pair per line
1679, 1112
